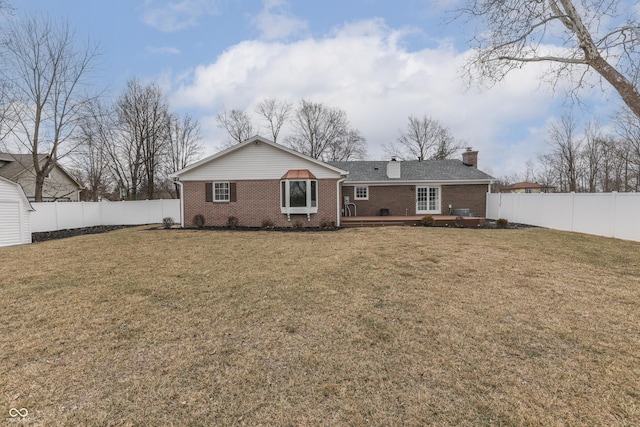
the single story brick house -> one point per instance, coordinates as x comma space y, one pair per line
260, 182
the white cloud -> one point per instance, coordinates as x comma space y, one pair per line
363, 69
275, 23
170, 16
162, 50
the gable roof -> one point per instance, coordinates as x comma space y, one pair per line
413, 171
524, 185
258, 140
20, 191
17, 164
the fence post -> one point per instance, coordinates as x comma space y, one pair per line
573, 210
55, 209
84, 222
614, 211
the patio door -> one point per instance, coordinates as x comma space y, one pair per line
427, 200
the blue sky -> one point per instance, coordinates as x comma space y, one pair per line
380, 61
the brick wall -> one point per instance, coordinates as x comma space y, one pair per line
256, 201
396, 198
401, 199
471, 197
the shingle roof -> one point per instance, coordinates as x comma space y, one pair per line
18, 163
412, 170
525, 184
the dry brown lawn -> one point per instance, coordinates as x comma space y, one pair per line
380, 327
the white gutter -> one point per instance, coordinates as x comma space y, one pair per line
338, 197
414, 182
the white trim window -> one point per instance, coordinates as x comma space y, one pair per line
361, 192
299, 196
221, 192
428, 200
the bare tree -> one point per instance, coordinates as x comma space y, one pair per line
5, 7
238, 125
597, 35
137, 153
47, 77
275, 113
351, 146
6, 124
322, 132
592, 153
529, 171
91, 161
589, 160
612, 165
424, 139
565, 152
125, 163
184, 148
628, 128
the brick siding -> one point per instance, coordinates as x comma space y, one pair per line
256, 201
473, 197
396, 198
401, 199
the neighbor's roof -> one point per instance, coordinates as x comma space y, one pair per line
412, 170
519, 185
20, 163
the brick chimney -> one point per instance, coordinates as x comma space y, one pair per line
470, 158
393, 168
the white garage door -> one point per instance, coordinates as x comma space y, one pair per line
9, 223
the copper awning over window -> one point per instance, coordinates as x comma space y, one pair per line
298, 174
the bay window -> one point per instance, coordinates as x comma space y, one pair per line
299, 197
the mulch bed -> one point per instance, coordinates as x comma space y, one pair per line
61, 234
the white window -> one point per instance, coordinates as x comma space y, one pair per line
361, 193
299, 196
427, 200
221, 192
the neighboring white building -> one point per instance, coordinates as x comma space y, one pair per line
15, 211
59, 185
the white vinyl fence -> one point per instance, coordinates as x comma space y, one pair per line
603, 214
51, 216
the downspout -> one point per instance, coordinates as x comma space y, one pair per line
181, 203
338, 200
